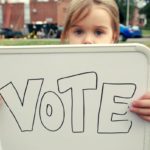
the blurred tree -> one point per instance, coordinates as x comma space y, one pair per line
122, 4
146, 11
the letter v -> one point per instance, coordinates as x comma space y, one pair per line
23, 110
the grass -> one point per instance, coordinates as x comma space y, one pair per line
23, 42
146, 32
147, 43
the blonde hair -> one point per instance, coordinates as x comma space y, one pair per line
79, 9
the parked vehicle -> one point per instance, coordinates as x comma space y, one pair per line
127, 32
59, 32
47, 30
9, 33
137, 32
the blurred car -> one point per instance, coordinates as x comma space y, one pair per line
9, 33
127, 32
49, 30
137, 32
59, 31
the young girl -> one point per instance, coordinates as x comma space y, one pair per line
95, 22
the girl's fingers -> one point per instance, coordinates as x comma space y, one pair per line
141, 103
145, 96
140, 111
146, 118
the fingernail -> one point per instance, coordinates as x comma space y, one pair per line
134, 103
131, 108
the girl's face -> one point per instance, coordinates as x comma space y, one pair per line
95, 28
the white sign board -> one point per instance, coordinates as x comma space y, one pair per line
73, 97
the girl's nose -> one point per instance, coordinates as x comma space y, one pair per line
88, 39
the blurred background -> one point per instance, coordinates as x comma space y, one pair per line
29, 22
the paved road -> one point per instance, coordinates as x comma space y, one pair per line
139, 40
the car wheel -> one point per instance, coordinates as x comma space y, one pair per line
122, 38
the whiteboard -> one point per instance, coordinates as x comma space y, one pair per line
73, 97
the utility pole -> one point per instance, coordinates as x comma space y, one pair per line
128, 12
27, 12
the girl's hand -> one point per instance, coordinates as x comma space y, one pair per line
142, 107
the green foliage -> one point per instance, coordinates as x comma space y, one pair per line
122, 4
146, 11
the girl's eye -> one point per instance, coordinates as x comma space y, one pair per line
78, 31
98, 32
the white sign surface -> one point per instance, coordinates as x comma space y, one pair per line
73, 97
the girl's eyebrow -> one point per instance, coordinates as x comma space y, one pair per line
96, 26
75, 26
101, 27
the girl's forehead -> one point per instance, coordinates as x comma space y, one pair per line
96, 14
